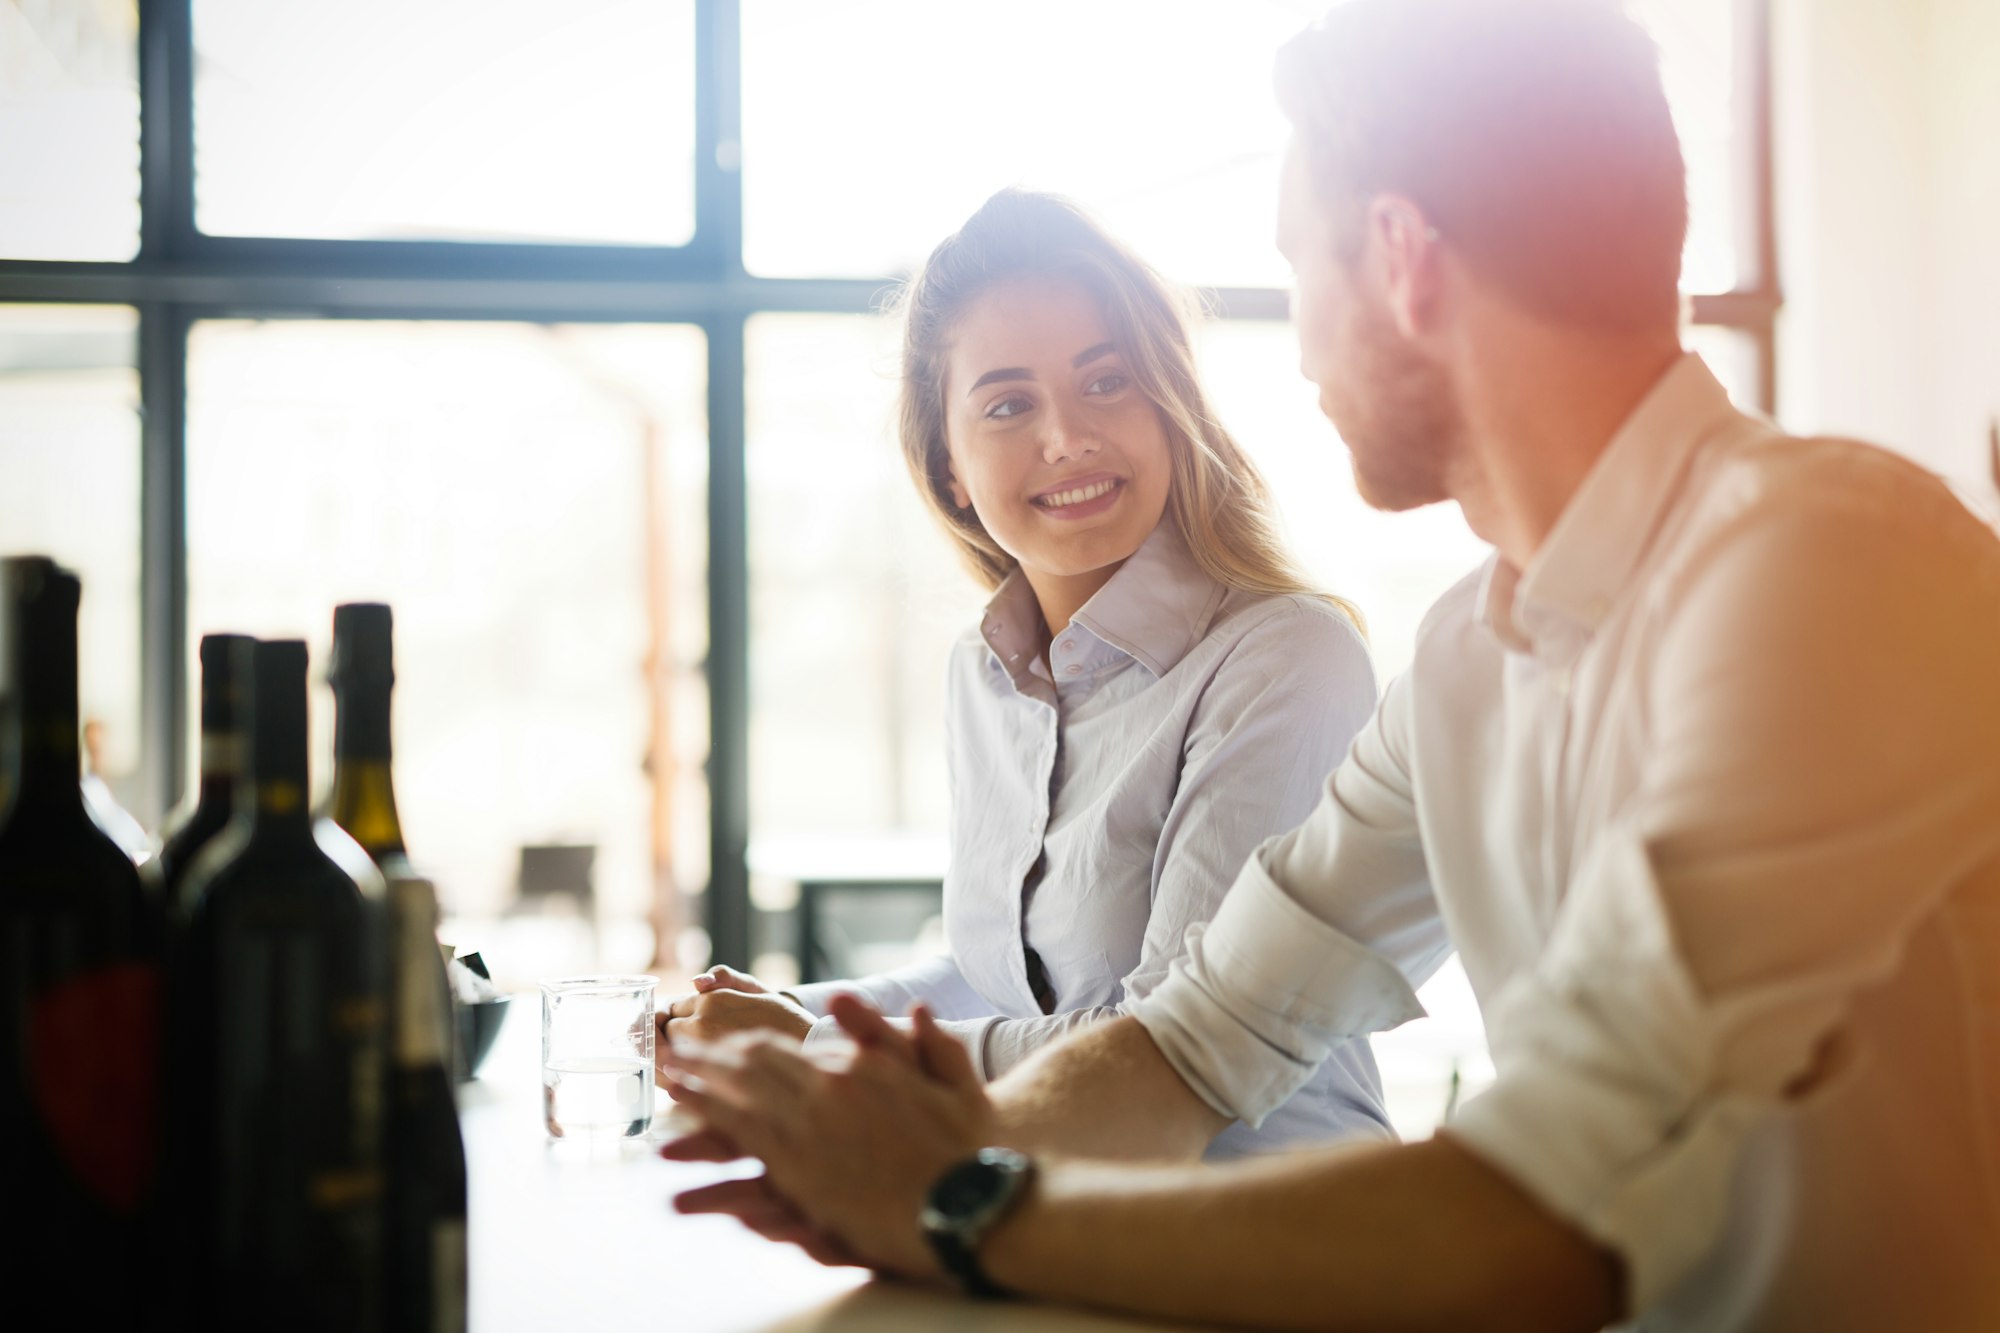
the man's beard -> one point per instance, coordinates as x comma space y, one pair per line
1401, 423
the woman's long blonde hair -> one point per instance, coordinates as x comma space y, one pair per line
1217, 500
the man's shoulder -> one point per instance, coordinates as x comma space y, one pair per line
1768, 496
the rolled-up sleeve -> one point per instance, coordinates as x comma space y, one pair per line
1822, 772
1323, 937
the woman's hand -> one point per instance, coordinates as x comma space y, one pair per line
726, 1002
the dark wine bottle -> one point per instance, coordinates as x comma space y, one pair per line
364, 796
283, 970
223, 742
79, 988
426, 1155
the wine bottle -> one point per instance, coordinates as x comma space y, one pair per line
363, 800
426, 1155
78, 988
364, 796
222, 764
283, 965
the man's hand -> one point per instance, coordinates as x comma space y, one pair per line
724, 1003
851, 1141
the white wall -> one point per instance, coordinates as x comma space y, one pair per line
1888, 161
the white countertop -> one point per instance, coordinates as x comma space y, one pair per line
570, 1237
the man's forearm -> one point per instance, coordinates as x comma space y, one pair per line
1105, 1093
1369, 1237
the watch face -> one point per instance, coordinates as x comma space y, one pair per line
966, 1187
974, 1189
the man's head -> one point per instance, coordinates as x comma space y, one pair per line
1529, 138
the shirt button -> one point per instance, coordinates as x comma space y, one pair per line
1067, 644
1074, 669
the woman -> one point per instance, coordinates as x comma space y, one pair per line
1154, 689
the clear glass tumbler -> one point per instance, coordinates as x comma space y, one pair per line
597, 1056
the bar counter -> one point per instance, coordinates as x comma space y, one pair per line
573, 1237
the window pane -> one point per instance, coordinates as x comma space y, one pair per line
69, 129
531, 501
1697, 40
1732, 355
462, 120
69, 488
856, 595
872, 128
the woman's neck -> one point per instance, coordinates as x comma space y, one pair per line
1061, 596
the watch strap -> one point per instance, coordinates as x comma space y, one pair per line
962, 1262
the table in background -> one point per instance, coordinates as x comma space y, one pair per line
568, 1237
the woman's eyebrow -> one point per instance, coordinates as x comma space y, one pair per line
995, 376
1077, 362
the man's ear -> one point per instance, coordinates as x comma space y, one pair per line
1408, 246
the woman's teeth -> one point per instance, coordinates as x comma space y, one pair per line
1062, 499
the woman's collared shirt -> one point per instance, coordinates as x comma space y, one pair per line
1103, 800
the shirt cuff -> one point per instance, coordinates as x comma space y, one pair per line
826, 1032
970, 1033
1262, 996
815, 996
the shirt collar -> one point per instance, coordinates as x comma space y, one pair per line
1569, 587
1153, 610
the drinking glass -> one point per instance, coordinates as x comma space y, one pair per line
597, 1056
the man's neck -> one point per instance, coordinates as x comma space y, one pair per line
1541, 404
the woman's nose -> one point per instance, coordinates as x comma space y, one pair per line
1066, 438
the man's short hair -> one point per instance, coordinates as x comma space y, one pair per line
1534, 134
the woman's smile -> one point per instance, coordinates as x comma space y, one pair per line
1080, 497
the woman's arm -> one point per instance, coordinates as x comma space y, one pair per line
936, 982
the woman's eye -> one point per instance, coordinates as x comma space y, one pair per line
1011, 406
1108, 383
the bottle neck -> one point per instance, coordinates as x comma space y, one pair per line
364, 793
44, 758
421, 1033
275, 795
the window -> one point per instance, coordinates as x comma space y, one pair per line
598, 282
69, 488
69, 129
461, 120
530, 500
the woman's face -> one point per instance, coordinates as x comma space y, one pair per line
1052, 444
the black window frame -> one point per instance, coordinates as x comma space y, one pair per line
181, 275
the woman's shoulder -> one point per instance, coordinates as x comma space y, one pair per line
1287, 620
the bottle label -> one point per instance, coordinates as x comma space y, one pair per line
223, 755
94, 1061
448, 1276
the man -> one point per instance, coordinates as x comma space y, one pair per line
1700, 774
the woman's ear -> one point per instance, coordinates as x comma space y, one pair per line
960, 497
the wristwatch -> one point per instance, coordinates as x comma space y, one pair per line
965, 1204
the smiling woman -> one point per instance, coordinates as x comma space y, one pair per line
1153, 689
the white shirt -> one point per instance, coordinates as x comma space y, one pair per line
1102, 802
1708, 799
